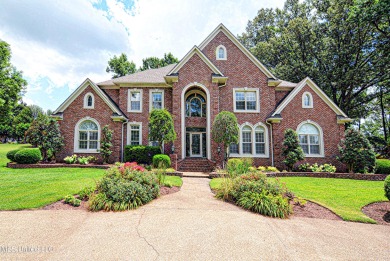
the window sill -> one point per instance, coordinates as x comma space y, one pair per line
314, 156
246, 111
94, 151
135, 111
90, 108
249, 156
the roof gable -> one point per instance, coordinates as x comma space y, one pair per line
97, 90
224, 30
316, 89
186, 58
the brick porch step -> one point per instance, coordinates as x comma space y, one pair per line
195, 165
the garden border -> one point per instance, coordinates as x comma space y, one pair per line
370, 177
13, 165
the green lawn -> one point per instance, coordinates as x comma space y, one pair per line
34, 188
345, 197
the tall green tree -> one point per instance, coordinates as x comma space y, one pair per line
106, 143
120, 66
161, 127
155, 62
343, 53
291, 150
12, 84
225, 130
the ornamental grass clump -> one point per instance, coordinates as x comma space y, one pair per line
253, 191
124, 187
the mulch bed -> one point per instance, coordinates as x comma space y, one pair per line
379, 211
313, 210
61, 205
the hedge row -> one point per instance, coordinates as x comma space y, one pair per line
140, 153
382, 166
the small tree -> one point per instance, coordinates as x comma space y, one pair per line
105, 144
44, 133
356, 152
291, 150
161, 127
225, 130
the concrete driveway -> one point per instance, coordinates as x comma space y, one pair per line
188, 225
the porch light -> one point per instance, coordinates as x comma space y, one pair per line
219, 149
173, 149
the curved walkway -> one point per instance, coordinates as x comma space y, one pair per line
188, 225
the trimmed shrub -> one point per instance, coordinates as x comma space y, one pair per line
141, 154
382, 166
237, 166
387, 187
161, 161
253, 191
71, 200
28, 156
124, 187
11, 155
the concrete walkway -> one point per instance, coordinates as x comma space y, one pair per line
187, 225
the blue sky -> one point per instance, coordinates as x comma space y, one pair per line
57, 44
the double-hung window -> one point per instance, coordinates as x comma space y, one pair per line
156, 99
135, 101
246, 100
135, 134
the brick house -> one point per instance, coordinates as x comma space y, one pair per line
219, 74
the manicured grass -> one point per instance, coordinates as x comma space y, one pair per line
171, 181
34, 188
345, 197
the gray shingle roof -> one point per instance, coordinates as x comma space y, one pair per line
148, 76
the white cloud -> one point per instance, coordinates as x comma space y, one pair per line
57, 44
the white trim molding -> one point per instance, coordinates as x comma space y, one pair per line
311, 102
320, 138
192, 52
224, 30
87, 82
129, 92
246, 89
76, 137
253, 141
183, 118
86, 101
217, 53
307, 81
151, 91
134, 123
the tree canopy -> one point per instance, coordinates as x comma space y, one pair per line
225, 130
155, 62
161, 127
120, 66
12, 84
343, 45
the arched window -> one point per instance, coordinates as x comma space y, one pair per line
310, 139
221, 52
259, 140
307, 100
246, 140
195, 105
89, 100
87, 136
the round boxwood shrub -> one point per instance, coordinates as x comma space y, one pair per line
161, 161
387, 187
28, 156
382, 166
11, 155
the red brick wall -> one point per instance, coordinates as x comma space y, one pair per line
101, 112
293, 114
114, 94
279, 95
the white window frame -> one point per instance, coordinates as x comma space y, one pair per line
129, 100
129, 124
320, 139
151, 98
246, 89
217, 52
86, 101
303, 100
253, 141
76, 148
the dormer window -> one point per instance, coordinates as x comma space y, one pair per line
307, 100
221, 53
89, 101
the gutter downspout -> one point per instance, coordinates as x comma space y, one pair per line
122, 146
272, 143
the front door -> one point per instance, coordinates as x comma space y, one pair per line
196, 144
